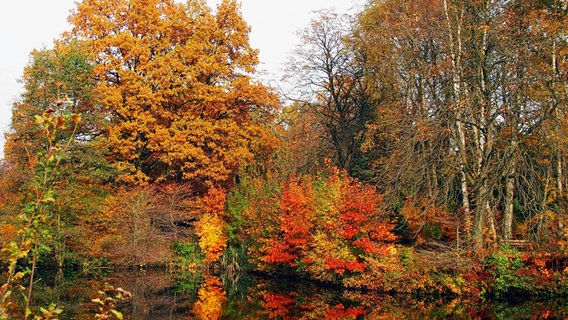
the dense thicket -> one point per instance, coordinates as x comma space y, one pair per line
468, 103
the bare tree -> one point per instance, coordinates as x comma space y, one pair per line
328, 78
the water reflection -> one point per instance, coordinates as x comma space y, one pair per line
160, 295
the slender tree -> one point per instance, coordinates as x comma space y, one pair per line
328, 78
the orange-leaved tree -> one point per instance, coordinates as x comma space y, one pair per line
176, 81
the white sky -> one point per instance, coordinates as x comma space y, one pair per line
33, 24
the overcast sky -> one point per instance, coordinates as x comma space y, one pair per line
33, 24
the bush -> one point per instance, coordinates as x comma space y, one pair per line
190, 256
506, 268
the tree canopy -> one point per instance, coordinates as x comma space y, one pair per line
175, 84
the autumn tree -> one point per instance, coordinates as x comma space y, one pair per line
330, 228
176, 82
461, 92
211, 226
60, 78
543, 84
297, 213
303, 149
408, 141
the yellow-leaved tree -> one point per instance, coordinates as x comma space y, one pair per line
176, 82
211, 226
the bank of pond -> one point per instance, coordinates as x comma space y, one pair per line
419, 284
163, 293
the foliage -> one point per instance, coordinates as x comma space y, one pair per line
211, 226
107, 300
211, 298
326, 228
457, 124
174, 80
37, 215
504, 267
190, 256
423, 222
59, 80
451, 112
332, 101
253, 210
296, 224
130, 228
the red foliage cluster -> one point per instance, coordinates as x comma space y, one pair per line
279, 253
214, 201
296, 226
340, 312
339, 266
328, 227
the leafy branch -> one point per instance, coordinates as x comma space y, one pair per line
36, 214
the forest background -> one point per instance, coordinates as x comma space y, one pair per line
421, 147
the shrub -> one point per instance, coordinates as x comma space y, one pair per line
506, 266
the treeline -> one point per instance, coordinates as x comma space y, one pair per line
143, 137
452, 105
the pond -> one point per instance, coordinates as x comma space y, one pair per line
159, 295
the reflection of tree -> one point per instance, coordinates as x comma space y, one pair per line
281, 299
341, 312
154, 296
211, 299
279, 305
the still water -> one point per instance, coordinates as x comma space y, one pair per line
160, 295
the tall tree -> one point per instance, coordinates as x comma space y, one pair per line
176, 81
59, 82
60, 78
408, 139
328, 77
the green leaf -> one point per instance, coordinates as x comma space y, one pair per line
49, 197
117, 314
6, 295
30, 207
39, 120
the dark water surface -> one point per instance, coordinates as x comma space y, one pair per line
160, 295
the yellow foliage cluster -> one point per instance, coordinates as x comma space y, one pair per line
212, 237
211, 227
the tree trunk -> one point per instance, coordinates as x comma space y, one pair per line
455, 54
508, 214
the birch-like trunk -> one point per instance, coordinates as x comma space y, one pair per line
508, 213
455, 55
